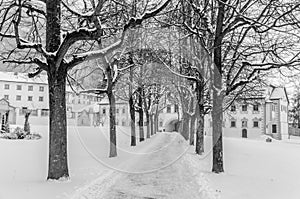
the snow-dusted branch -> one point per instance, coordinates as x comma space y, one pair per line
132, 22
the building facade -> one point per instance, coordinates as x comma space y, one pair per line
254, 117
19, 94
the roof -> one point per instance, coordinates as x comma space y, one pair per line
22, 77
105, 101
279, 93
95, 107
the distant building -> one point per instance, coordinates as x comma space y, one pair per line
256, 116
19, 93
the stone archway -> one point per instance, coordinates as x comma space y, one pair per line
172, 125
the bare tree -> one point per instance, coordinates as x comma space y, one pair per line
55, 36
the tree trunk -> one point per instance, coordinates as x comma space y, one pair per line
185, 126
131, 104
132, 122
192, 130
148, 125
156, 121
217, 114
26, 123
151, 125
112, 125
200, 121
58, 161
200, 135
141, 115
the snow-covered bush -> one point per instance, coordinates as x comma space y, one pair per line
19, 133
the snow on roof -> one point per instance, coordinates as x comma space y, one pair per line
105, 101
22, 77
95, 107
278, 93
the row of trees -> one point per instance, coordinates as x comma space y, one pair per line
206, 51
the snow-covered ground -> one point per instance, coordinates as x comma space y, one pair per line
253, 168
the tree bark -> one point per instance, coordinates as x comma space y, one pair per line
132, 121
131, 107
192, 130
185, 126
112, 124
200, 120
217, 114
156, 121
151, 125
148, 124
26, 123
141, 114
58, 161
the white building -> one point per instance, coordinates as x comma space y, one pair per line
19, 93
251, 118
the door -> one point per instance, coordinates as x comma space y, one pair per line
244, 133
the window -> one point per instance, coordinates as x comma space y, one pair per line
255, 107
6, 86
30, 98
41, 99
104, 111
255, 124
44, 112
19, 87
34, 112
244, 107
123, 111
244, 123
176, 108
168, 109
123, 123
6, 97
233, 108
41, 88
18, 97
30, 88
232, 124
117, 110
117, 122
274, 128
23, 110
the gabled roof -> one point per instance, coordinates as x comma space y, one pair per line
279, 93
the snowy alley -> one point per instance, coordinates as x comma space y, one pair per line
162, 167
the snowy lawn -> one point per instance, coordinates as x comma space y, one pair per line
255, 169
23, 165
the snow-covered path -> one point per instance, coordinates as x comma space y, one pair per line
162, 170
